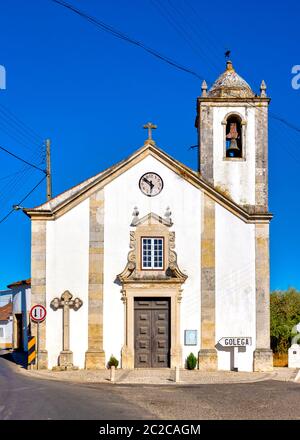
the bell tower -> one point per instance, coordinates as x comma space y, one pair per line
232, 124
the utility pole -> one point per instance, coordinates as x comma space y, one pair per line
48, 171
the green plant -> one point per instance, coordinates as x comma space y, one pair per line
285, 314
191, 361
113, 362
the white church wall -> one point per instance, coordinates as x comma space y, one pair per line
121, 196
235, 285
67, 263
235, 176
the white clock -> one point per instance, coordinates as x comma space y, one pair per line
151, 184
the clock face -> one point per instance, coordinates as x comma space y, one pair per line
151, 184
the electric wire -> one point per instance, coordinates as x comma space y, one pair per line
118, 34
23, 199
22, 160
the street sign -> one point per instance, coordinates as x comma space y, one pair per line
31, 351
241, 341
38, 313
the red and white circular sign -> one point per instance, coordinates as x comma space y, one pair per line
38, 313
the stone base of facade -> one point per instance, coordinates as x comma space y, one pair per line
208, 360
127, 358
42, 363
176, 358
95, 360
263, 359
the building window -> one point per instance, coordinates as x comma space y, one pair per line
234, 137
1, 332
152, 253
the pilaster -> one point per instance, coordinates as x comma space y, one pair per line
263, 356
207, 357
38, 286
95, 356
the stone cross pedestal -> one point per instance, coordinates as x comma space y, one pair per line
65, 359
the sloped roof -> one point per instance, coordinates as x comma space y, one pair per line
230, 85
26, 282
6, 312
70, 198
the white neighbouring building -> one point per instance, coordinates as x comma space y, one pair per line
150, 260
15, 333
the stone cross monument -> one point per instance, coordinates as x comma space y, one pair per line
65, 359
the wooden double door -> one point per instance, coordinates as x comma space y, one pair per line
152, 332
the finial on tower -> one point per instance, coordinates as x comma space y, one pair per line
263, 89
204, 89
149, 126
229, 66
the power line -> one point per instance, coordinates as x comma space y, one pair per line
22, 160
122, 36
118, 34
9, 175
24, 198
181, 30
18, 123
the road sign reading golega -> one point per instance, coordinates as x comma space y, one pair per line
236, 342
38, 313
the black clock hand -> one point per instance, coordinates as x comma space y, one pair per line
149, 183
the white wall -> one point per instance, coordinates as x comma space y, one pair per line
6, 339
5, 298
21, 299
235, 285
67, 261
121, 196
238, 177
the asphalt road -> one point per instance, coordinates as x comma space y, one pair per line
27, 398
23, 398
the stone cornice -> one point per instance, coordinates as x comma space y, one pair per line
194, 178
239, 102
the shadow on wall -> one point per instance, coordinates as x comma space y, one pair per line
230, 350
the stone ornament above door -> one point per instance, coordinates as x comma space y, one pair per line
152, 225
164, 283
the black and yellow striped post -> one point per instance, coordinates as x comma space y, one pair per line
31, 351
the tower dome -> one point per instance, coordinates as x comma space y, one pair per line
230, 85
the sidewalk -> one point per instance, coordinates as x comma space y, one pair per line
164, 376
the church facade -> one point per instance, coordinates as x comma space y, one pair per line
150, 260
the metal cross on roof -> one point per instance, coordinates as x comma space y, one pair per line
150, 127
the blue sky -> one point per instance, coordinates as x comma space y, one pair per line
91, 94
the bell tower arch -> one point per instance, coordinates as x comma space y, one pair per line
232, 124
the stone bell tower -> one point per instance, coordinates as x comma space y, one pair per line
232, 124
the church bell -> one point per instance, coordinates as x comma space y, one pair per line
233, 150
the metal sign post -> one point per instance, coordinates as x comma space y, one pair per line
38, 314
37, 344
